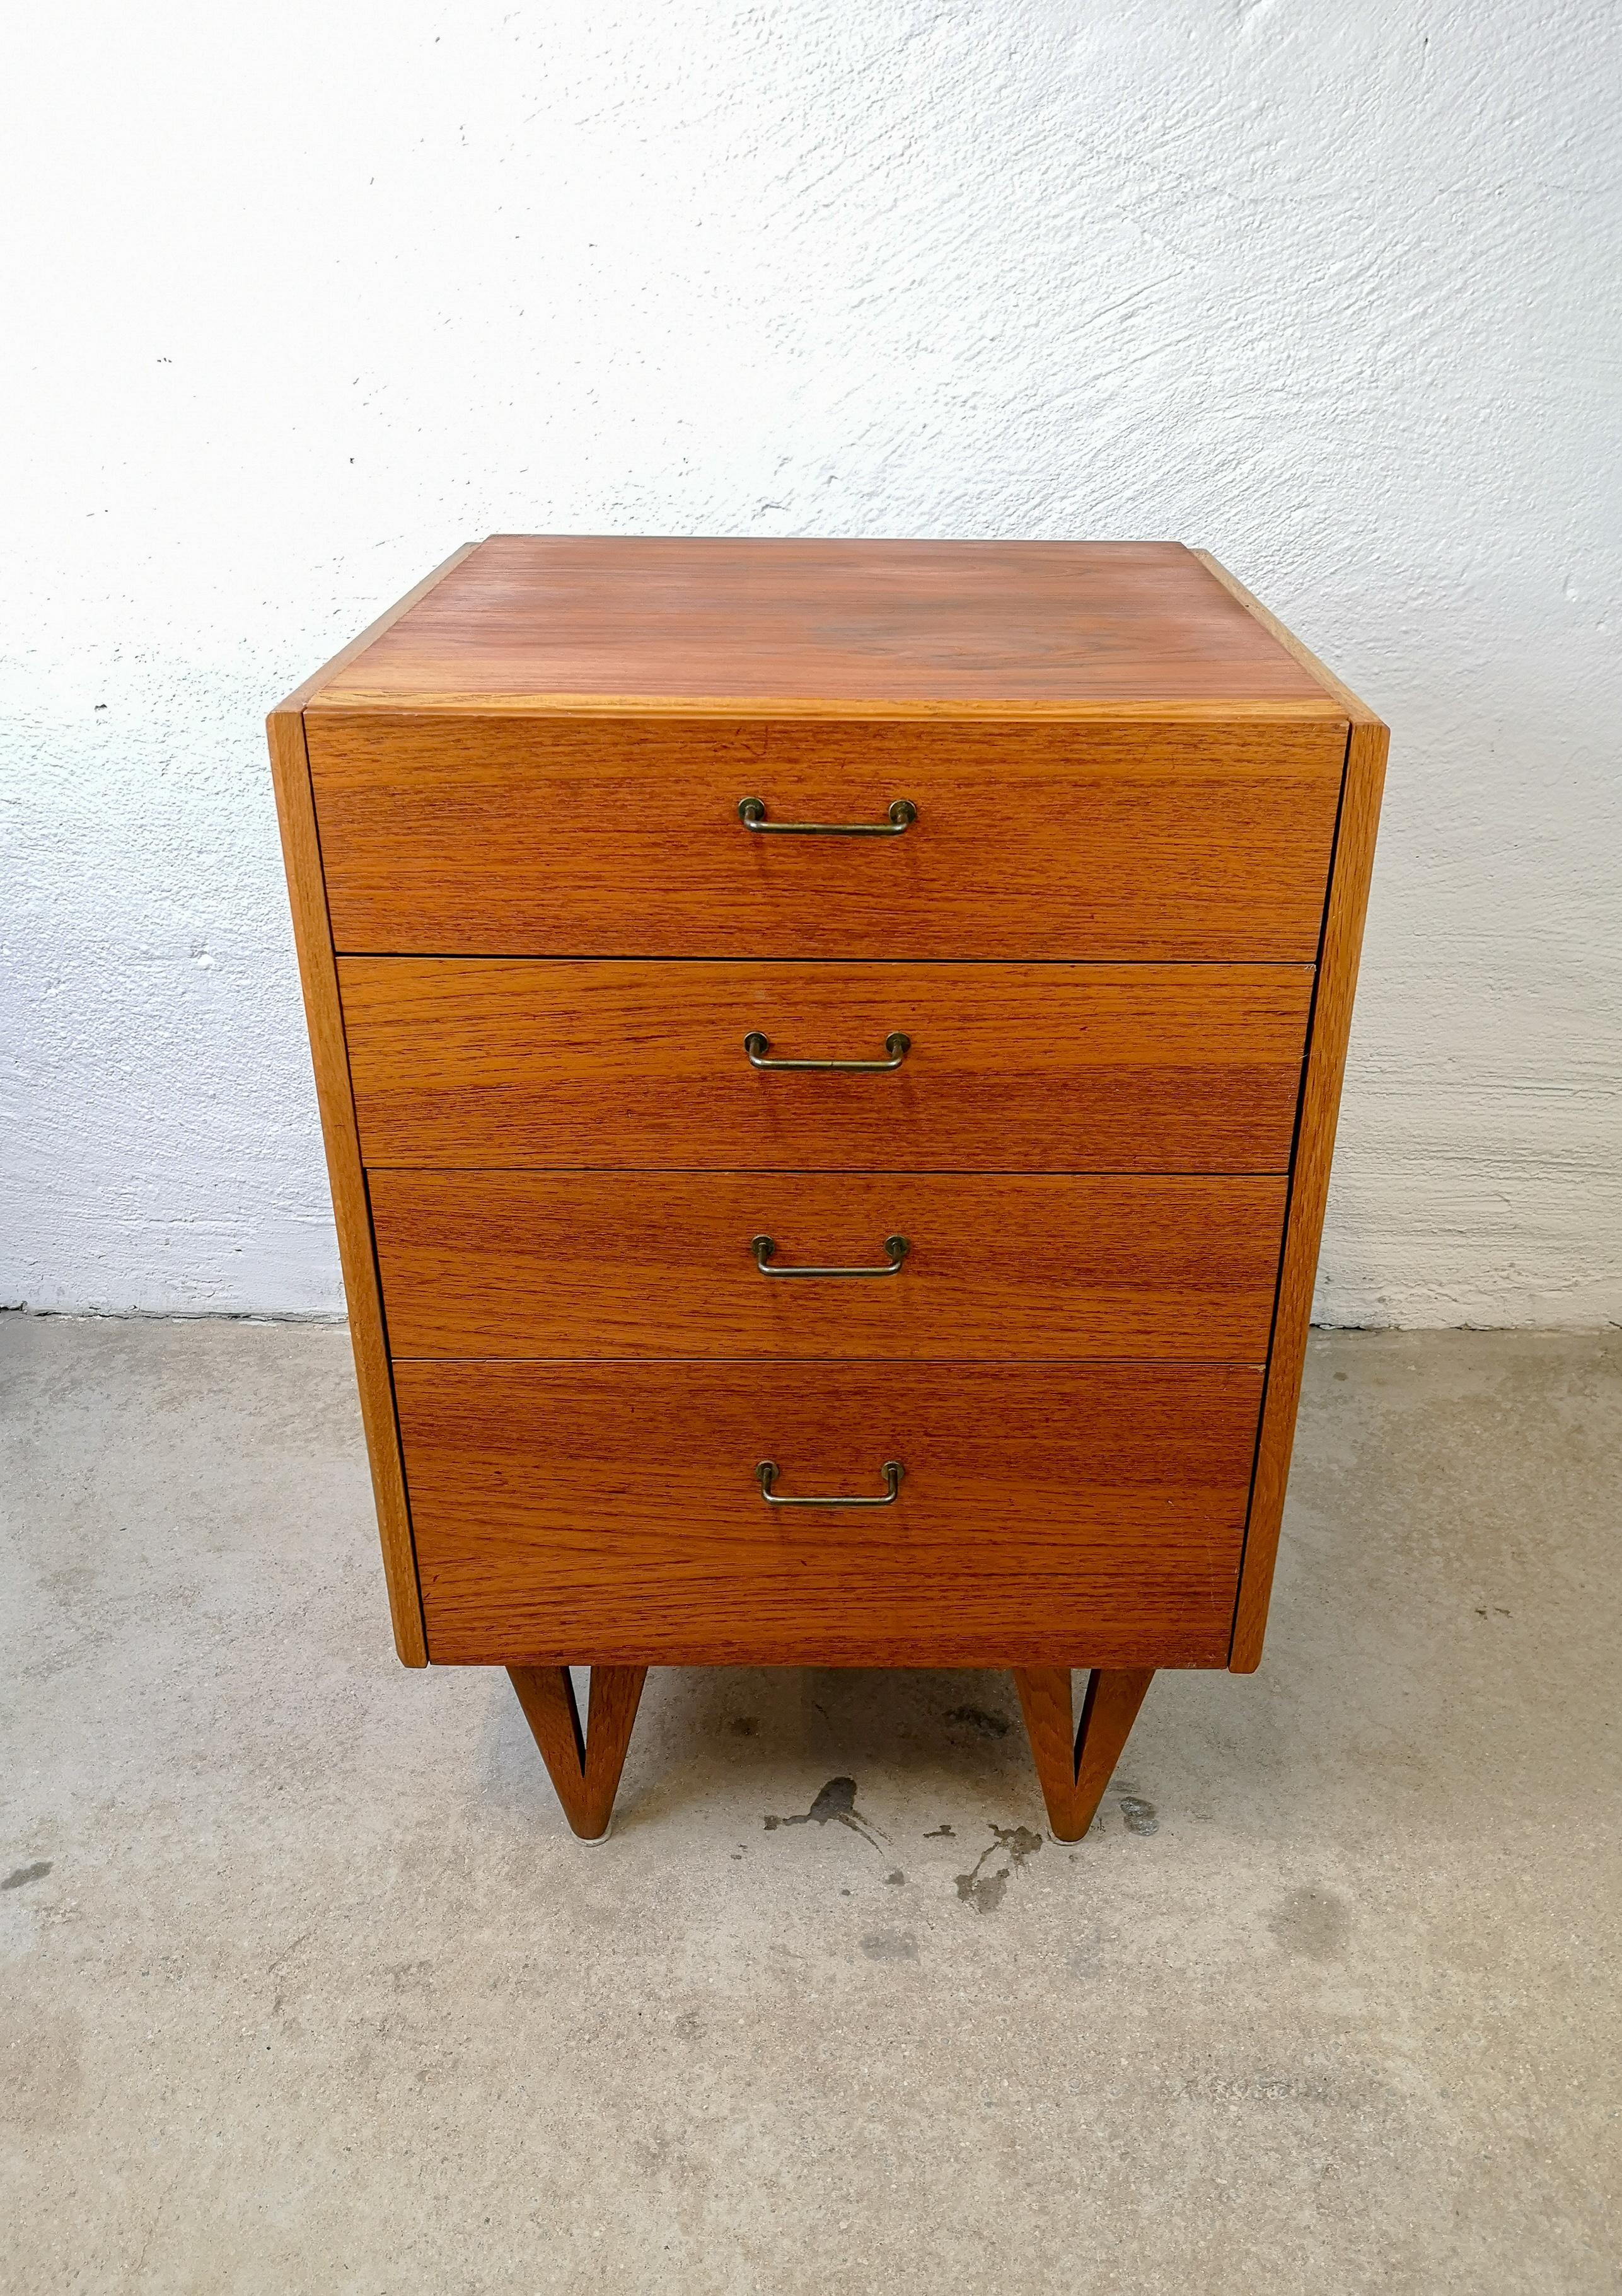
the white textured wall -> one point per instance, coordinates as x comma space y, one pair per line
297, 298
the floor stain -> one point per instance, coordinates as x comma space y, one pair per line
975, 1718
941, 1834
21, 1875
836, 1803
891, 1945
1085, 1957
896, 1879
41, 2075
1314, 1923
1141, 1816
984, 1891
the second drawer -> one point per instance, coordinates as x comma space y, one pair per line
995, 1266
462, 1062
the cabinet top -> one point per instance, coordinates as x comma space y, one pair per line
932, 628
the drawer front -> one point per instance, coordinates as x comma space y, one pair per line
611, 1512
999, 1265
1011, 1068
551, 836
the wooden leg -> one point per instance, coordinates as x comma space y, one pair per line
585, 1764
1075, 1770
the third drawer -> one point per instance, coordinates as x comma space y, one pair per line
985, 1266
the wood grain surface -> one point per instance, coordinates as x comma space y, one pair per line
302, 858
634, 621
457, 1062
616, 837
580, 1264
1353, 869
1060, 1514
300, 697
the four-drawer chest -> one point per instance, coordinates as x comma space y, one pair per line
829, 1055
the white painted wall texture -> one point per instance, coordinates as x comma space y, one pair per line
298, 297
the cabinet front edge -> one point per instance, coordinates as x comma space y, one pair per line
329, 1054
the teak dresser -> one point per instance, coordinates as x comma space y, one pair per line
829, 1055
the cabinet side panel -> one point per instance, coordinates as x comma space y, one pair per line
1348, 899
307, 893
1309, 1188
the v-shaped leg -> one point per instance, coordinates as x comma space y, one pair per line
585, 1764
1075, 1768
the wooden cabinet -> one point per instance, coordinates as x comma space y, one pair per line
828, 1055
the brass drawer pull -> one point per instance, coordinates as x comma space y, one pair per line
766, 1475
752, 813
897, 1045
896, 1247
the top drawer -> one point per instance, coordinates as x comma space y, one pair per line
553, 836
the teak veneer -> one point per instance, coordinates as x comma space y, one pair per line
984, 1352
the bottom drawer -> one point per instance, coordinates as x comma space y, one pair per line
611, 1513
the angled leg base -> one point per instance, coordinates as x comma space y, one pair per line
584, 1765
1075, 1768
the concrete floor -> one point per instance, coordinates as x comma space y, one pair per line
303, 1985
